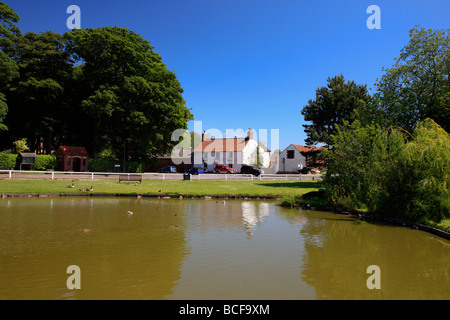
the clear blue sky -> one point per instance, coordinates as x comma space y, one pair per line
254, 63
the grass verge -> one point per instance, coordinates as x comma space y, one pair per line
193, 188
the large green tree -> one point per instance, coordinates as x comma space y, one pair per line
37, 98
332, 105
9, 34
417, 86
128, 98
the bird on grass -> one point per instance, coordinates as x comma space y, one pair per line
71, 185
130, 213
90, 189
85, 230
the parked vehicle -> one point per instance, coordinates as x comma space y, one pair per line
249, 169
194, 170
222, 168
167, 169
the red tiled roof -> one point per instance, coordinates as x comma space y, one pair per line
218, 145
73, 151
224, 144
305, 148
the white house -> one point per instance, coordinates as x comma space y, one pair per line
291, 159
233, 152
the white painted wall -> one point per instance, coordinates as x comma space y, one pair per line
291, 165
236, 159
249, 154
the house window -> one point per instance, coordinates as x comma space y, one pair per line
290, 154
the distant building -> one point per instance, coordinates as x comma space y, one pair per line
233, 152
72, 159
295, 157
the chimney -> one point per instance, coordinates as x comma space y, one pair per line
250, 134
203, 136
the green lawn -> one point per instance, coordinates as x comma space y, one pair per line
162, 187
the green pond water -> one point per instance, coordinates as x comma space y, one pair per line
206, 249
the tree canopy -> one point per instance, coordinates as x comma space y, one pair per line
102, 88
126, 93
9, 32
332, 105
417, 86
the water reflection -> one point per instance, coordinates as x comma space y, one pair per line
207, 249
253, 213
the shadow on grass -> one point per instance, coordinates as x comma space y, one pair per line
297, 184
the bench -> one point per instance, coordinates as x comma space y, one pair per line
130, 177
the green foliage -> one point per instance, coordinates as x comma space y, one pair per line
101, 165
46, 162
8, 160
8, 67
103, 88
390, 172
129, 99
417, 86
107, 165
135, 166
21, 145
333, 105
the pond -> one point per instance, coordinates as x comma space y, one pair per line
208, 249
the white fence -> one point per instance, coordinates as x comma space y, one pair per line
52, 175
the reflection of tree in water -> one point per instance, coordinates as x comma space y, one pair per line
339, 250
253, 213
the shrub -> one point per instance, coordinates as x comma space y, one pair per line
8, 160
100, 165
135, 167
391, 172
46, 162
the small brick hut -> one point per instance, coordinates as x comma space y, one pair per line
72, 159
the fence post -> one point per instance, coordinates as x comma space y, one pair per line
10, 171
163, 176
53, 175
300, 177
92, 176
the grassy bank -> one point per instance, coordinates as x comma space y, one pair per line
162, 187
318, 200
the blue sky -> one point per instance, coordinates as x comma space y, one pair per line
254, 63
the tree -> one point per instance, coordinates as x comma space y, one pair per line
128, 98
390, 171
333, 104
418, 85
9, 33
38, 104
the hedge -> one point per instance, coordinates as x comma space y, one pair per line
46, 162
43, 161
8, 160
